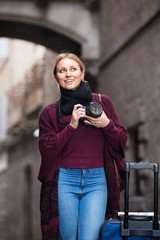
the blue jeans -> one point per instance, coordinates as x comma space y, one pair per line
82, 199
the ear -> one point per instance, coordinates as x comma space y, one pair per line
82, 76
56, 79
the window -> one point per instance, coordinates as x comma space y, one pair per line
134, 145
27, 203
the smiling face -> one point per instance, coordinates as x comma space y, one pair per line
69, 74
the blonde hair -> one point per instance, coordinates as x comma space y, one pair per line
71, 56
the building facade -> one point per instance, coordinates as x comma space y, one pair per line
129, 73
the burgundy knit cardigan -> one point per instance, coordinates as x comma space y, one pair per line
49, 168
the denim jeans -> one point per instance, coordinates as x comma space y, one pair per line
82, 200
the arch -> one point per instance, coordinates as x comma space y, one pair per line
38, 33
58, 26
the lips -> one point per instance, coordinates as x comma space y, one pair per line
69, 80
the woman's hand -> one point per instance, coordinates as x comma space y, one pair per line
100, 122
77, 113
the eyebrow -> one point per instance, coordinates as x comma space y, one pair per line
69, 67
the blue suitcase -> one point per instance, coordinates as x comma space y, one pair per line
134, 227
111, 230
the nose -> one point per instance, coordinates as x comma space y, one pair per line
68, 73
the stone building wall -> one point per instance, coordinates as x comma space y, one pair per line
3, 198
21, 100
129, 75
23, 191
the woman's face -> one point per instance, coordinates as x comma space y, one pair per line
69, 74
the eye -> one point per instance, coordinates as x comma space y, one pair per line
62, 70
73, 69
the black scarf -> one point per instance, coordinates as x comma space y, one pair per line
69, 98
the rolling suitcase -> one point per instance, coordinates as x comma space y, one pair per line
134, 227
111, 230
141, 226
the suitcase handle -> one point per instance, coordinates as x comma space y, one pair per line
142, 166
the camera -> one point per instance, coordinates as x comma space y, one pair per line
94, 109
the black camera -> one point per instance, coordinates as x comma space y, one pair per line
94, 109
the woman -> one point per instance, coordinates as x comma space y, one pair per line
77, 170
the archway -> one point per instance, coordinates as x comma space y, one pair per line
39, 34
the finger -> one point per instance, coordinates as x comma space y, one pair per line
76, 106
94, 124
87, 122
81, 111
93, 121
78, 114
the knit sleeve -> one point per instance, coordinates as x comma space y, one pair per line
115, 133
49, 137
51, 142
47, 131
112, 135
63, 137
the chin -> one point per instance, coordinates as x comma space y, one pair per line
71, 87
